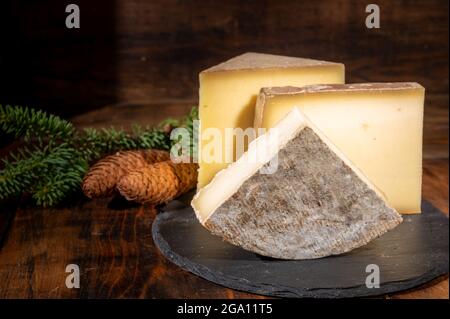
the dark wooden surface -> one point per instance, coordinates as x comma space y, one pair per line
117, 256
112, 242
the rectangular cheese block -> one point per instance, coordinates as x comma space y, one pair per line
228, 93
378, 126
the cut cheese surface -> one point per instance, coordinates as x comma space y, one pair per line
315, 203
378, 126
228, 93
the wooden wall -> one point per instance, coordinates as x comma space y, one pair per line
139, 51
44, 64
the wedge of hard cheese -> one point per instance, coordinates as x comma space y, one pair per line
316, 203
378, 126
228, 94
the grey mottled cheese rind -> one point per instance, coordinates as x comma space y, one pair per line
252, 60
313, 206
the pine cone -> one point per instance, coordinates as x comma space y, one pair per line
158, 183
101, 179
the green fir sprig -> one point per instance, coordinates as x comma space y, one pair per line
55, 156
28, 123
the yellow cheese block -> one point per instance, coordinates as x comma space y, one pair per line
378, 126
228, 94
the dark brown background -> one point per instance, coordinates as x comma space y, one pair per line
137, 50
137, 61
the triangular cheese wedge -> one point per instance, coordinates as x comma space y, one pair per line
315, 203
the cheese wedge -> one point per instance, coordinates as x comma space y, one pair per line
378, 126
228, 94
315, 204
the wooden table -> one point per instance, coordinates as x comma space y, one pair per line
111, 240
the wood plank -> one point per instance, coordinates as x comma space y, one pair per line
112, 244
435, 126
132, 50
125, 115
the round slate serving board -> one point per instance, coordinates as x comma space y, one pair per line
410, 255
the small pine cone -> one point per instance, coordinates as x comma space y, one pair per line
158, 183
187, 175
101, 179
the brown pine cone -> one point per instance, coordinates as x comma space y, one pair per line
158, 183
102, 177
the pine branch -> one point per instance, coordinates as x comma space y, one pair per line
153, 138
20, 176
27, 123
19, 173
93, 144
63, 181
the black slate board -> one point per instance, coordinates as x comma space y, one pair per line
410, 255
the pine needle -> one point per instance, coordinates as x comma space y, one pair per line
27, 123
